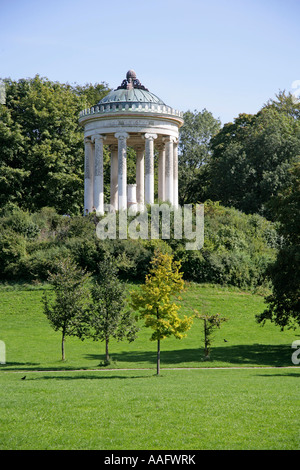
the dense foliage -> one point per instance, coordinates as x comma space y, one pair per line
284, 302
243, 164
251, 157
41, 143
194, 154
237, 247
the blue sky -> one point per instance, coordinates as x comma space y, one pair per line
228, 56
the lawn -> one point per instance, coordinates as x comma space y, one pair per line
179, 410
32, 344
194, 404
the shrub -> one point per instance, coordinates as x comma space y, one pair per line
238, 248
12, 251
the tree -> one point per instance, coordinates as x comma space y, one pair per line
285, 103
155, 300
194, 154
12, 172
284, 303
67, 313
41, 143
91, 93
108, 316
251, 157
210, 323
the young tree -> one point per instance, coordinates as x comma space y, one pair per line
68, 310
210, 323
108, 316
155, 301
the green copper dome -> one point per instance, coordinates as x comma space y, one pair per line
130, 98
131, 91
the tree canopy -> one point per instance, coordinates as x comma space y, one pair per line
41, 143
251, 157
109, 316
155, 302
284, 302
195, 153
67, 312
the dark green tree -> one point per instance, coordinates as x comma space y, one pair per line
41, 143
90, 93
252, 157
68, 310
109, 316
12, 172
194, 153
284, 302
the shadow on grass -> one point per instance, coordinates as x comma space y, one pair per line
90, 377
294, 373
237, 355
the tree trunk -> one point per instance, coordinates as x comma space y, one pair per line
206, 341
106, 350
63, 347
158, 356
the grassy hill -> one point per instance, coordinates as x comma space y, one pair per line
31, 343
193, 404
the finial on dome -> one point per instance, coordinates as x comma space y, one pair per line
131, 82
131, 75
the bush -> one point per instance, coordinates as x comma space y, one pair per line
237, 249
12, 251
20, 222
38, 265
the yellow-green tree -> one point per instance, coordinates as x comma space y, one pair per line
155, 301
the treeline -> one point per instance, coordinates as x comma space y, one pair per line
242, 164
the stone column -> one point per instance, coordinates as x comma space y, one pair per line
114, 177
88, 176
161, 172
98, 175
175, 174
169, 170
149, 168
122, 169
131, 198
140, 152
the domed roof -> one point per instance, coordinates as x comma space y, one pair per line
131, 91
131, 98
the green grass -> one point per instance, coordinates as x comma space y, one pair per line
67, 405
179, 410
32, 344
